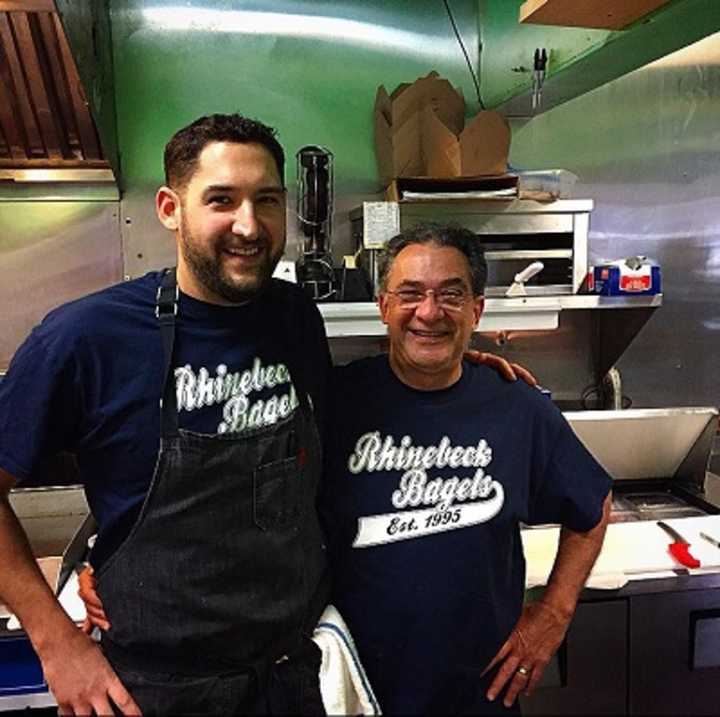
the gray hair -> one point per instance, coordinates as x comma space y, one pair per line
450, 235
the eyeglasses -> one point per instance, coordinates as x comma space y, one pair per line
448, 299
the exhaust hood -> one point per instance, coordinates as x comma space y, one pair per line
46, 127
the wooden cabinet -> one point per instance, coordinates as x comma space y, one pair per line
603, 14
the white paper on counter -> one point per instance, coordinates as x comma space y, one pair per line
70, 600
631, 551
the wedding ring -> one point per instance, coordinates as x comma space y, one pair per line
523, 671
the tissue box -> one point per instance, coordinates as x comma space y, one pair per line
633, 276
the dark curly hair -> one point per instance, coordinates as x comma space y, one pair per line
185, 146
452, 235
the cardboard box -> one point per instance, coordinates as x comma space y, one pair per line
58, 525
420, 131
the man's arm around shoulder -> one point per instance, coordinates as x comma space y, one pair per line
78, 674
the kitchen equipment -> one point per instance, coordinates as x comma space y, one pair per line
680, 548
315, 270
539, 65
658, 460
710, 539
647, 451
512, 232
518, 286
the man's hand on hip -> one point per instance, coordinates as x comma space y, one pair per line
543, 624
82, 680
94, 612
526, 653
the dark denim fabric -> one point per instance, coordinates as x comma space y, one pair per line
292, 688
224, 574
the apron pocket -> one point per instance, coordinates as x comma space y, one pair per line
276, 490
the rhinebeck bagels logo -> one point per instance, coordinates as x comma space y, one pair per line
234, 390
440, 504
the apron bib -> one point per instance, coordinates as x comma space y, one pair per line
225, 568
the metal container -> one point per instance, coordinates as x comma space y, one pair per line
658, 459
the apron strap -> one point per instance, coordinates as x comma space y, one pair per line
166, 308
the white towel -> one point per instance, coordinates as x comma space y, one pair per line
343, 683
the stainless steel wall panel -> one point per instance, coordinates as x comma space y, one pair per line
646, 148
561, 358
52, 252
488, 224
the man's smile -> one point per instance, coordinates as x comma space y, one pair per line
243, 250
246, 253
429, 336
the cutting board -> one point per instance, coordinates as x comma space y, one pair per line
629, 550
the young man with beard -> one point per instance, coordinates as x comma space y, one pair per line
193, 400
429, 477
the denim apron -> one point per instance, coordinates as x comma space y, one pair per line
224, 572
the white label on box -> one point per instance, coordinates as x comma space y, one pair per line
381, 221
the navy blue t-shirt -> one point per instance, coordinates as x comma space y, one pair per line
423, 497
88, 381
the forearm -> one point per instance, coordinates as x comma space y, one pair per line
24, 589
575, 558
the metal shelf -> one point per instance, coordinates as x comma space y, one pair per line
532, 313
526, 254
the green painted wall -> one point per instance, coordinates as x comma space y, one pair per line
312, 68
508, 48
579, 59
309, 68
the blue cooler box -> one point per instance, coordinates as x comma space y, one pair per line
20, 671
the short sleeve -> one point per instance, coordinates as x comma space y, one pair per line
572, 486
39, 400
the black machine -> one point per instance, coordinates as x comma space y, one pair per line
314, 212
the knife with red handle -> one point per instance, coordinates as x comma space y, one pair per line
680, 549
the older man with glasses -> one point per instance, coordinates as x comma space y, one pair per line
434, 464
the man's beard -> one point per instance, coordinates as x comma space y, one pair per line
209, 271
